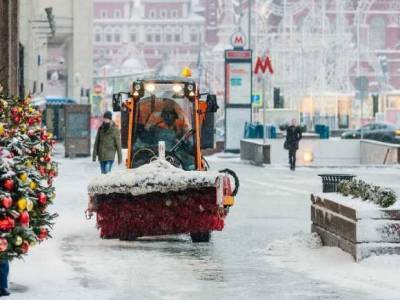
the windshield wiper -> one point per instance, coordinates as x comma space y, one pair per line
185, 136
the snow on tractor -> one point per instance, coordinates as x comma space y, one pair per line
167, 187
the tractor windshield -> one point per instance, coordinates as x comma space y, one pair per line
164, 117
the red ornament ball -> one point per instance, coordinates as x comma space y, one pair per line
24, 219
43, 234
7, 224
42, 198
8, 184
25, 247
3, 244
7, 202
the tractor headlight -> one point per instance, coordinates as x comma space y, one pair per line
137, 90
150, 87
190, 90
177, 88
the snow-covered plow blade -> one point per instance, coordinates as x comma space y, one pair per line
159, 199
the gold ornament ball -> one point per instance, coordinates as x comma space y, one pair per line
21, 204
29, 205
29, 164
23, 177
33, 185
18, 241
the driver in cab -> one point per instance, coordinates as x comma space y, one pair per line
168, 118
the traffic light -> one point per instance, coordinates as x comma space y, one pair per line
375, 104
278, 98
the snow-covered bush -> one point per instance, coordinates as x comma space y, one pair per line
384, 197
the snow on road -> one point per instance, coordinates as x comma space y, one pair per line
303, 253
257, 256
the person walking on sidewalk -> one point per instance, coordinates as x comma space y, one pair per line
293, 137
107, 143
4, 269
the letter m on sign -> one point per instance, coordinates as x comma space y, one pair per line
263, 65
239, 40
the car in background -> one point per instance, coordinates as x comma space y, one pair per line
382, 132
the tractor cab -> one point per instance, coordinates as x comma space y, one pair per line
168, 111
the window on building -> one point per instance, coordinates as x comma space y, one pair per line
157, 37
193, 37
108, 35
152, 14
149, 37
168, 38
163, 14
133, 37
97, 37
177, 37
377, 33
117, 36
103, 13
174, 13
117, 13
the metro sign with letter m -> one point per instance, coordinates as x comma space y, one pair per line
262, 65
238, 40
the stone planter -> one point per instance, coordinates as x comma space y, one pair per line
359, 228
255, 151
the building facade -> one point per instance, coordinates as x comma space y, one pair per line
161, 36
59, 63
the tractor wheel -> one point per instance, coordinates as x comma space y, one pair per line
201, 237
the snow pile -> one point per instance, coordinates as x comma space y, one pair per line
157, 176
298, 241
303, 253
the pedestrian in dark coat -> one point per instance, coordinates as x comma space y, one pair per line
4, 269
293, 137
107, 143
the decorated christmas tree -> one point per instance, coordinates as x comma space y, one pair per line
26, 177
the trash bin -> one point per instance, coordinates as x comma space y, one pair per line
246, 130
249, 131
330, 181
253, 131
322, 131
271, 131
259, 131
325, 132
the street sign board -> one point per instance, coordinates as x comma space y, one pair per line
256, 100
238, 77
238, 55
238, 93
